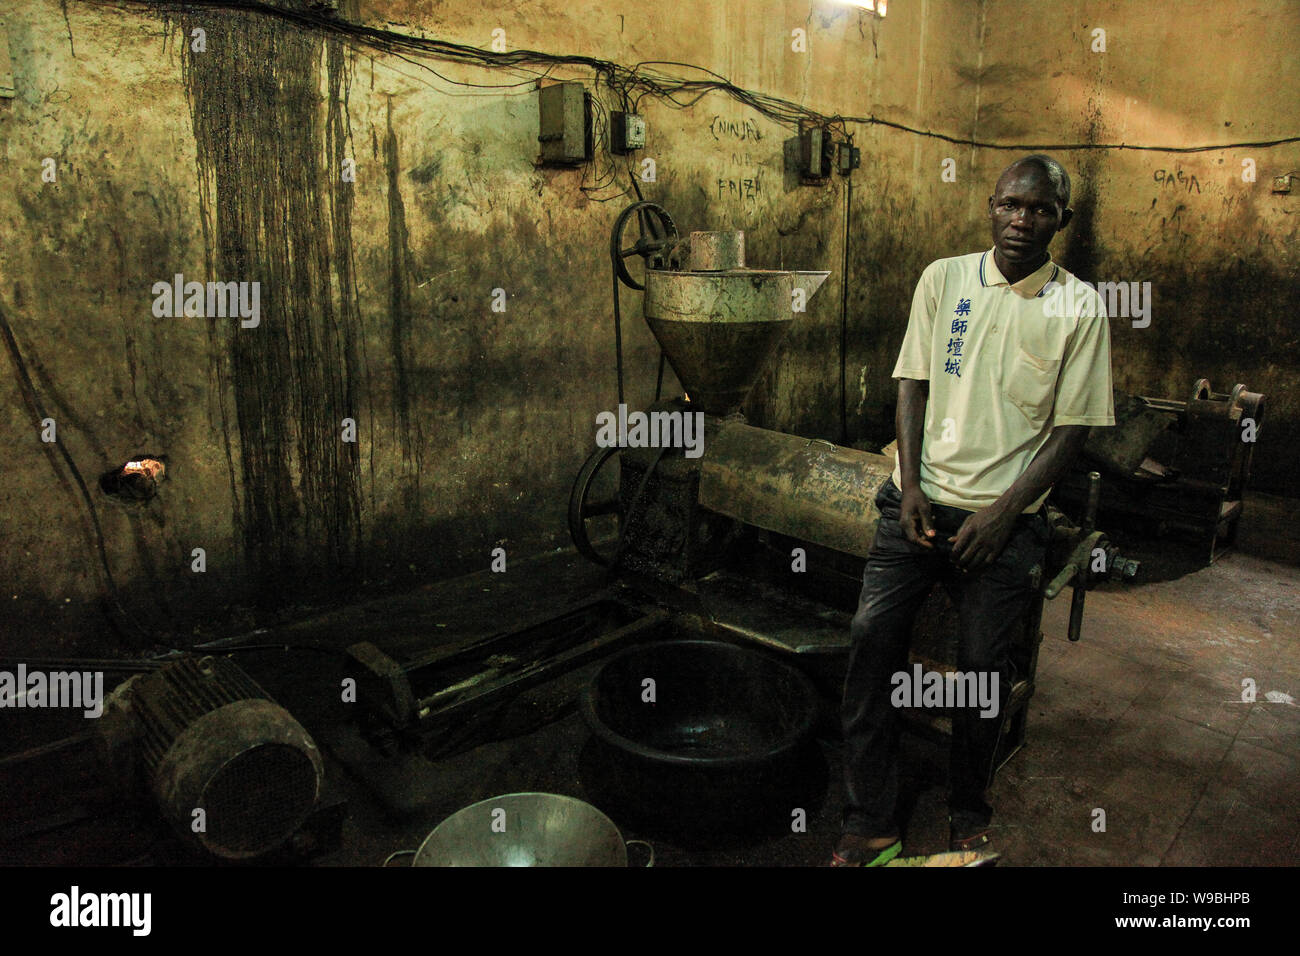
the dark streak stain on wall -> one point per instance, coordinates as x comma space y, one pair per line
274, 191
401, 315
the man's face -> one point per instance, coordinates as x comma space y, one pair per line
1025, 212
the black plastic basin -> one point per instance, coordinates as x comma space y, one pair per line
724, 740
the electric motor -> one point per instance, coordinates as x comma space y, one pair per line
231, 769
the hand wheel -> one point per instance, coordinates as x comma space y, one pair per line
581, 509
662, 236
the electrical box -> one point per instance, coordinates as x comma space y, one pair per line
816, 152
626, 132
849, 158
565, 124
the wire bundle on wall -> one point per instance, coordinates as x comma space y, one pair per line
623, 80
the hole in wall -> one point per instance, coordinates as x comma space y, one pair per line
136, 479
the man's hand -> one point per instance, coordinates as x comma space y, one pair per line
982, 536
914, 509
914, 516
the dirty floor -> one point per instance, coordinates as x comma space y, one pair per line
1143, 720
1141, 747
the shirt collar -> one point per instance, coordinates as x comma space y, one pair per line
1031, 286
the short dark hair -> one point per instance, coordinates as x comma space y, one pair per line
1054, 171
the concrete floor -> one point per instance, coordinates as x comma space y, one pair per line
1143, 719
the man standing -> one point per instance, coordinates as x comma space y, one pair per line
1004, 367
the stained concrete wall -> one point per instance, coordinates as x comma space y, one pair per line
1220, 253
227, 165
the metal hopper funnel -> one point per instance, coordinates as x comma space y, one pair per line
718, 329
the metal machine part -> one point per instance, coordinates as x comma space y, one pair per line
446, 686
232, 771
664, 533
109, 776
720, 329
658, 244
1177, 464
584, 505
1089, 548
716, 251
806, 488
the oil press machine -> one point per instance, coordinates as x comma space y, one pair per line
761, 538
756, 542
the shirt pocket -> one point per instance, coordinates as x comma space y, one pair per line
1031, 386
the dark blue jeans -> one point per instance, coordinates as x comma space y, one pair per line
990, 604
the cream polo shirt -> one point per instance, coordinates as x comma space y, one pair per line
1005, 364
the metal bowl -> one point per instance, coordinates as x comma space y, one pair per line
525, 829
